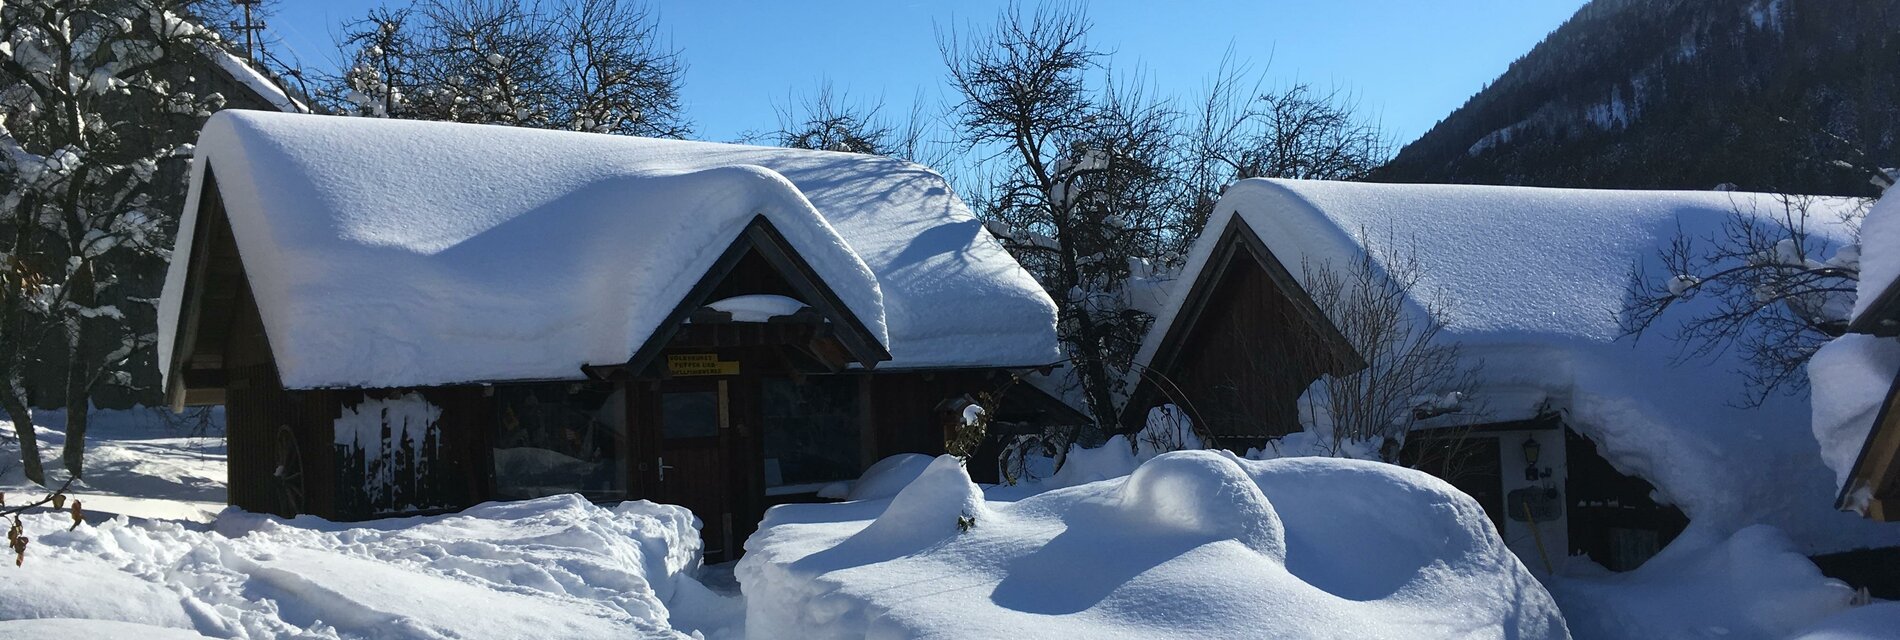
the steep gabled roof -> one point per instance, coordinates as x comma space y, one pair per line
399, 253
1535, 280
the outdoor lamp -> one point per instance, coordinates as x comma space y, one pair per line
1531, 448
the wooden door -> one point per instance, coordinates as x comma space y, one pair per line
695, 463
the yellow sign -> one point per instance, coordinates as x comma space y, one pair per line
700, 364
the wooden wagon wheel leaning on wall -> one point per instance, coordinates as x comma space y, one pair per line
288, 476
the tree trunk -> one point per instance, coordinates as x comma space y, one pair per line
29, 440
80, 356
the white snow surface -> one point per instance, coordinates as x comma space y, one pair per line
1752, 585
888, 476
140, 462
390, 253
1535, 279
756, 307
553, 567
1192, 544
1879, 621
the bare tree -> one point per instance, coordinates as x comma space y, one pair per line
1246, 130
586, 65
1079, 182
1411, 373
829, 120
1769, 292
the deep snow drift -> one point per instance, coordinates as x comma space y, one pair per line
1749, 586
1192, 544
557, 567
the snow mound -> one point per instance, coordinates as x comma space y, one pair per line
934, 506
556, 249
1203, 493
888, 476
1114, 459
552, 567
1193, 544
1752, 585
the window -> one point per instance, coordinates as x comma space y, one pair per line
689, 414
560, 438
811, 433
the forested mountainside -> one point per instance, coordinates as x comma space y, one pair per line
1787, 95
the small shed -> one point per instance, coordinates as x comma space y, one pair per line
1577, 439
405, 317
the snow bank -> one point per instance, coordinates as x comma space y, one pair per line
1752, 585
380, 250
1534, 281
552, 567
1192, 544
1871, 622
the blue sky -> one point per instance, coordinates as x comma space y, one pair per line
1407, 62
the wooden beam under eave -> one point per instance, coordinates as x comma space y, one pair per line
202, 397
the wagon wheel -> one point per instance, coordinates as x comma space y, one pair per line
288, 476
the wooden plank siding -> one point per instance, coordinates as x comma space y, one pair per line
1245, 344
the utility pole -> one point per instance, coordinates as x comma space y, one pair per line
249, 28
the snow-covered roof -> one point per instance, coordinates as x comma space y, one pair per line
251, 78
1880, 267
1535, 280
388, 253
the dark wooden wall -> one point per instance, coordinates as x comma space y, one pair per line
1240, 363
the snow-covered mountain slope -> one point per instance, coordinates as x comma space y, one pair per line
1682, 94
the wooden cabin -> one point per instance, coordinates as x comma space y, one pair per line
1573, 439
409, 317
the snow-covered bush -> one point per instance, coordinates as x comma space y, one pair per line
1168, 428
1411, 372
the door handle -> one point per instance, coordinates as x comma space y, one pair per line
663, 467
